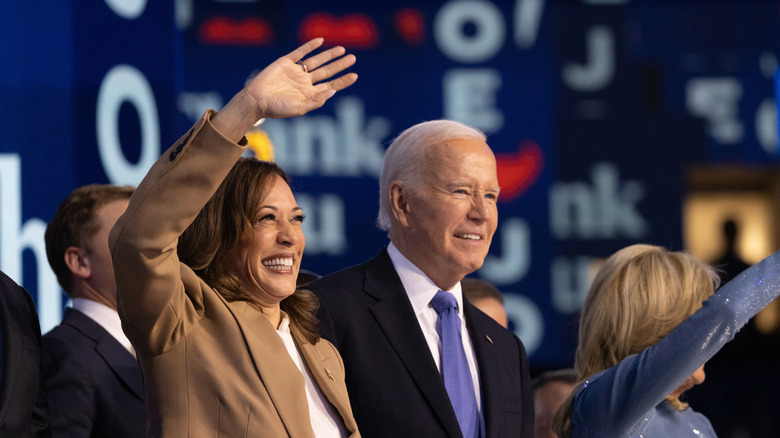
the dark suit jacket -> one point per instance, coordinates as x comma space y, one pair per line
392, 379
92, 383
20, 361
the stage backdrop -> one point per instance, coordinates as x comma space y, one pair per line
593, 108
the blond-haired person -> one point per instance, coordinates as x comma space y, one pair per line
645, 337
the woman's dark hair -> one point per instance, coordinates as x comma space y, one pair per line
223, 223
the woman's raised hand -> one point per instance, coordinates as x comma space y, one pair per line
294, 84
291, 86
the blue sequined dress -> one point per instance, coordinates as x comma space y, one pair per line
627, 400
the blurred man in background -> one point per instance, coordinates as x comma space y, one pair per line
91, 377
551, 389
486, 297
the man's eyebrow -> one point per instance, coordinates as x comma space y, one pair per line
461, 182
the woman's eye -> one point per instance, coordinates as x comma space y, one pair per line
268, 217
299, 218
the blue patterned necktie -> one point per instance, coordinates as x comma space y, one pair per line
454, 366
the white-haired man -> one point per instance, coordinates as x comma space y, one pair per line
420, 360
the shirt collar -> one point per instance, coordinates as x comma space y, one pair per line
419, 287
284, 324
106, 317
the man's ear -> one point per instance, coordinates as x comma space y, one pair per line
78, 262
399, 203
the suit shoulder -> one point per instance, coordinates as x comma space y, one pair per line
63, 333
65, 342
76, 335
18, 314
338, 281
16, 298
376, 270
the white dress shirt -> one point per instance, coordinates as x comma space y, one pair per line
107, 317
324, 420
421, 291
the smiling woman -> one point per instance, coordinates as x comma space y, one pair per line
206, 259
247, 242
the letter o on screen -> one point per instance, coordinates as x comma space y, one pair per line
455, 44
125, 83
528, 319
127, 9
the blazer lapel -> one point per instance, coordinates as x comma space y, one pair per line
395, 315
116, 356
123, 363
326, 376
279, 374
486, 353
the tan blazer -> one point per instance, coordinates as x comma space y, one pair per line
211, 368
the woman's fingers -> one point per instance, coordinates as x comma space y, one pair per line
319, 59
341, 82
285, 89
330, 69
322, 65
298, 54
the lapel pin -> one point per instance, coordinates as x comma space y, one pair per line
330, 375
488, 338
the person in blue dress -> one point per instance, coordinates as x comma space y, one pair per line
650, 322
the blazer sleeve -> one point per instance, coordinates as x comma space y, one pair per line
159, 299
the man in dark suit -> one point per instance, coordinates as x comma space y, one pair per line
91, 378
20, 359
438, 191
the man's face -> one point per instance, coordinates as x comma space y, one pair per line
101, 269
452, 215
547, 399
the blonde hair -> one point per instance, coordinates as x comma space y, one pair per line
639, 295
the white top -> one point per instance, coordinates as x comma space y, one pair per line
324, 421
107, 317
421, 291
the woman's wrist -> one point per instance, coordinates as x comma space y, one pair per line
238, 116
